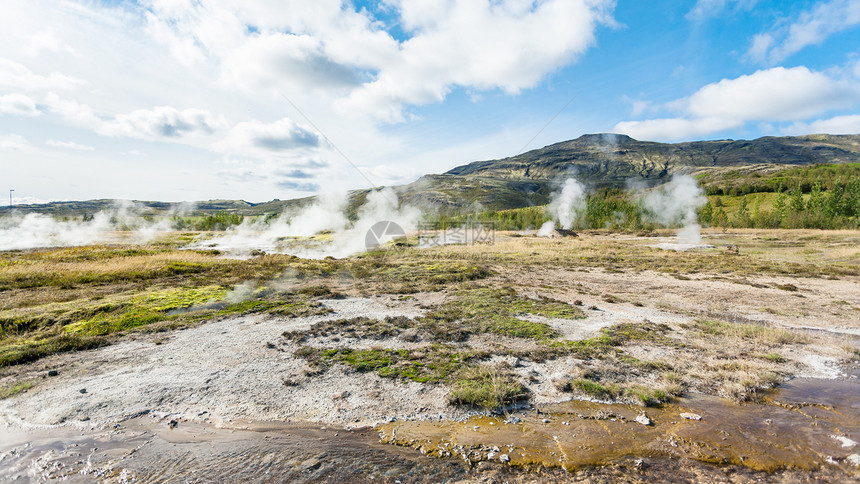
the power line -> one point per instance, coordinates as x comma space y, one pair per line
329, 141
546, 125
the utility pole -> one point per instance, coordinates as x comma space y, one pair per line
10, 201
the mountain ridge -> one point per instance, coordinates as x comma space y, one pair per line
602, 160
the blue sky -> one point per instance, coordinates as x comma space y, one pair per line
261, 99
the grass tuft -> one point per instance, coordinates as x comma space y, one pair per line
486, 387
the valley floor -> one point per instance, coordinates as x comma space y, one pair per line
571, 336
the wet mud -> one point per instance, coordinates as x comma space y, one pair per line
809, 425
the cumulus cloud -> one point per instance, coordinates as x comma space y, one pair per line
772, 95
848, 124
18, 77
279, 59
69, 145
811, 27
674, 129
163, 122
281, 135
18, 105
508, 44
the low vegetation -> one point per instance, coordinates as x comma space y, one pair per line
819, 197
487, 387
14, 389
68, 299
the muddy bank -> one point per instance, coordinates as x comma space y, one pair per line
809, 425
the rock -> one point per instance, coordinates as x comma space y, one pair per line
172, 424
310, 464
53, 373
83, 390
491, 455
643, 419
504, 458
412, 335
691, 416
546, 420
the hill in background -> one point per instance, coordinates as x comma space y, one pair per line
528, 179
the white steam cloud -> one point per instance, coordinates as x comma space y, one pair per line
567, 206
122, 223
327, 214
675, 204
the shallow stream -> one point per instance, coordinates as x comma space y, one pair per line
807, 426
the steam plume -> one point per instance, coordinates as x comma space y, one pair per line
34, 230
327, 214
567, 206
675, 204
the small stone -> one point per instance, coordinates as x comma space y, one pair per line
496, 449
546, 420
172, 424
83, 390
491, 455
691, 416
643, 419
504, 458
53, 373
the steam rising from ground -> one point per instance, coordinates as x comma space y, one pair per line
567, 206
36, 230
327, 214
675, 204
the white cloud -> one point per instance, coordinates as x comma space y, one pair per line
710, 8
72, 112
777, 94
18, 77
163, 122
509, 46
811, 27
257, 137
69, 145
18, 105
285, 60
848, 124
674, 129
13, 142
772, 95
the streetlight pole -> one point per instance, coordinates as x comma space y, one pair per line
10, 201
